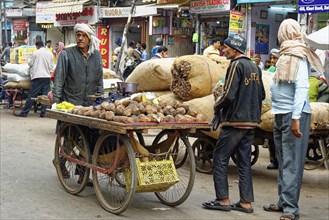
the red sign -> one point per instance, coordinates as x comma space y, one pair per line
20, 25
103, 36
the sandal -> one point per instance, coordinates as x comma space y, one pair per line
238, 207
215, 205
289, 217
273, 208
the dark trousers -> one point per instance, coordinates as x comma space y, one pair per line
40, 86
233, 140
271, 149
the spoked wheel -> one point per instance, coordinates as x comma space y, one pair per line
71, 148
314, 151
114, 176
203, 152
254, 155
183, 157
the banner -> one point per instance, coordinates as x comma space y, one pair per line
261, 38
209, 6
236, 21
103, 36
313, 6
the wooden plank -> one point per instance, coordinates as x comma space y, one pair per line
122, 128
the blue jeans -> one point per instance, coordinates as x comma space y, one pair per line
291, 153
233, 140
40, 86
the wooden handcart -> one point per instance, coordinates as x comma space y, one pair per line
118, 168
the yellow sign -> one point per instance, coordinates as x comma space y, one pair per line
236, 21
177, 2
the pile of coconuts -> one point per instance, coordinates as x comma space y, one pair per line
136, 110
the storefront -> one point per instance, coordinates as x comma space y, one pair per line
213, 18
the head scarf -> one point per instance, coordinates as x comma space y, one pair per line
275, 52
292, 49
94, 41
59, 49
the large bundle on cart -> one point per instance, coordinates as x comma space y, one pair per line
194, 76
152, 75
319, 119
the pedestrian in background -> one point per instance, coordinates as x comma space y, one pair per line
239, 110
292, 115
258, 61
41, 64
158, 43
145, 55
212, 52
162, 52
6, 53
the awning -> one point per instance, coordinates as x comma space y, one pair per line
65, 7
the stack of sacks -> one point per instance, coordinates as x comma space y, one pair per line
18, 76
194, 76
152, 75
319, 119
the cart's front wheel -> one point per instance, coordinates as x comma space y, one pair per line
114, 189
71, 147
185, 165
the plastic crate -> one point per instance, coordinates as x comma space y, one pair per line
154, 176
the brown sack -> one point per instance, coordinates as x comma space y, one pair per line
26, 84
319, 119
205, 106
194, 76
152, 74
267, 80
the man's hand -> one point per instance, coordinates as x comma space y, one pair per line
295, 128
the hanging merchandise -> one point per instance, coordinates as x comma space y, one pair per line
195, 38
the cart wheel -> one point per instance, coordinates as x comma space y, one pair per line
71, 146
185, 165
313, 151
254, 155
111, 188
203, 152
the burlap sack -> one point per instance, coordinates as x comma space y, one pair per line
204, 106
18, 85
194, 76
267, 80
152, 75
320, 116
169, 97
319, 119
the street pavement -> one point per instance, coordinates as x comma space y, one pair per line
30, 188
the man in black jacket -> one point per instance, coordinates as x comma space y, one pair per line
239, 109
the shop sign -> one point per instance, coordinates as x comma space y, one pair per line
14, 12
236, 21
41, 16
87, 16
209, 6
313, 6
20, 25
174, 2
120, 12
103, 36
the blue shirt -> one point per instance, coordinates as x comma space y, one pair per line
145, 56
292, 97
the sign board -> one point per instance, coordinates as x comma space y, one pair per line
20, 25
120, 12
236, 21
103, 36
87, 16
209, 6
41, 16
14, 12
313, 6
